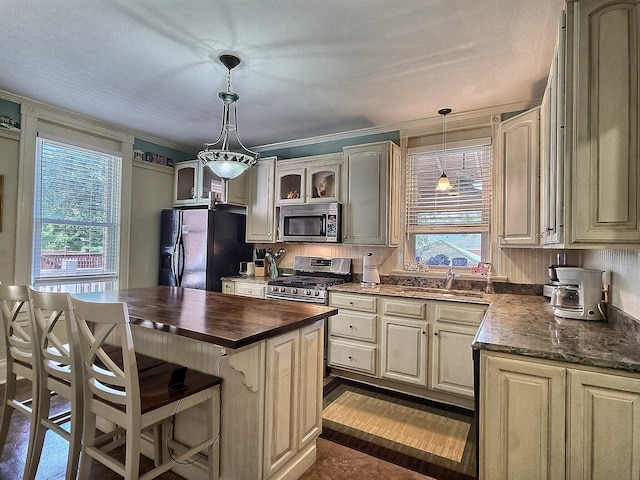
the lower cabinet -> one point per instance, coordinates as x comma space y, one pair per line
245, 289
405, 341
410, 342
553, 420
293, 395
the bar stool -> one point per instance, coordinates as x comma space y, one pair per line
136, 402
16, 323
59, 370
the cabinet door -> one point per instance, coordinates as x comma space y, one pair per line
451, 361
365, 180
519, 190
185, 183
604, 426
260, 209
522, 419
237, 191
281, 401
323, 179
403, 351
228, 287
311, 353
290, 183
606, 115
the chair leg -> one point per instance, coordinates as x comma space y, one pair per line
132, 461
88, 440
211, 459
7, 411
75, 443
42, 406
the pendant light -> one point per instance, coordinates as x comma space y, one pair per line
443, 182
223, 162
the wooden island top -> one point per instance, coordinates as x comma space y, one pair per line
226, 320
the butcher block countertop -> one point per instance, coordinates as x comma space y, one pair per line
227, 320
525, 325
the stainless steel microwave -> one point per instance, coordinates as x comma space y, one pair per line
311, 222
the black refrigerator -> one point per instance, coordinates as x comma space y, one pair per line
199, 246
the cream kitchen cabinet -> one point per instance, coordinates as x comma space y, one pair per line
552, 176
193, 182
255, 289
454, 327
518, 193
353, 333
372, 194
555, 420
308, 179
522, 418
293, 395
261, 219
599, 135
404, 341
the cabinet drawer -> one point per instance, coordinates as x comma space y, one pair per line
364, 303
361, 358
403, 308
354, 325
446, 312
250, 289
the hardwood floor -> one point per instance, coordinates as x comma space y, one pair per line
333, 461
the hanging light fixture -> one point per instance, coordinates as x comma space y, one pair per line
217, 156
443, 182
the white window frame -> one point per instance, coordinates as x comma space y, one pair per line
484, 230
36, 116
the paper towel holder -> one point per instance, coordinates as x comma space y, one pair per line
370, 274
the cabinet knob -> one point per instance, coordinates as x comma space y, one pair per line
350, 357
350, 303
435, 333
351, 326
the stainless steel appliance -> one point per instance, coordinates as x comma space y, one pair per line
199, 246
311, 222
579, 293
313, 275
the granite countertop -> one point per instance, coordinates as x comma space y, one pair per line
525, 325
226, 320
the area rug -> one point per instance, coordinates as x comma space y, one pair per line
430, 438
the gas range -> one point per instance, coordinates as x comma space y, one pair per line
313, 275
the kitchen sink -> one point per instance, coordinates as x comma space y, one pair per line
441, 291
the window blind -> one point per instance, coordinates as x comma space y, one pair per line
467, 207
76, 216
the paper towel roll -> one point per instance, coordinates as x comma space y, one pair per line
370, 275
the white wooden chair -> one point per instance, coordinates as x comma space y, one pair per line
59, 370
136, 401
16, 323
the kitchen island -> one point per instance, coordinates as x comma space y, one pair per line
269, 355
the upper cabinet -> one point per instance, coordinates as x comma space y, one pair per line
595, 123
308, 179
372, 194
193, 182
518, 168
261, 221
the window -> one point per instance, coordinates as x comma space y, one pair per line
76, 218
449, 229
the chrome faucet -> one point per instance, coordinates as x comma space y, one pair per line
450, 278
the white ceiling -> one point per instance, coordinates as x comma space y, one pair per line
309, 68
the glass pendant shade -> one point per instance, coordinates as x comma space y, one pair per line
225, 163
443, 183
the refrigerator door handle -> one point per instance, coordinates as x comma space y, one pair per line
180, 261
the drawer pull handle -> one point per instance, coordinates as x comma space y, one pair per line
350, 303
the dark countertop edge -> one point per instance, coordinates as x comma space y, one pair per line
229, 343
